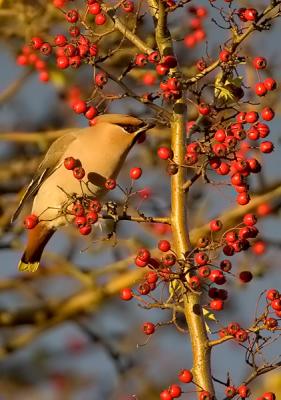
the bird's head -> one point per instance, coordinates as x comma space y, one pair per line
131, 127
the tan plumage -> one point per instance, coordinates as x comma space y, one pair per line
101, 149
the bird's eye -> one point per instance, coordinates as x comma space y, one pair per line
130, 128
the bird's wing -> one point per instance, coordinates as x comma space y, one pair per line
49, 164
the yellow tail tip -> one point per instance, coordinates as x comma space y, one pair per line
28, 267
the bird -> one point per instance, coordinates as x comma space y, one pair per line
101, 149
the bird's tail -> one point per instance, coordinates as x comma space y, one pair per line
37, 239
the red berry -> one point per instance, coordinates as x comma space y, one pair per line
110, 184
185, 376
36, 42
173, 84
101, 79
243, 391
80, 221
223, 169
92, 217
100, 19
144, 255
245, 276
204, 395
204, 109
69, 50
140, 263
225, 55
165, 153
241, 336
128, 6
240, 117
144, 289
217, 277
201, 64
164, 245
22, 60
94, 8
231, 237
148, 328
78, 173
230, 392
93, 50
46, 49
140, 60
220, 135
169, 260
135, 173
260, 89
201, 258
95, 205
30, 221
233, 328
162, 69
263, 130
264, 209
272, 294
85, 230
251, 117
216, 305
271, 323
219, 149
60, 40
91, 112
215, 225
69, 163
276, 304
254, 165
44, 76
165, 395
253, 133
270, 83
78, 209
75, 61
74, 31
249, 219
269, 396
259, 62
149, 79
62, 62
266, 147
225, 265
195, 282
243, 199
126, 294
175, 391
259, 248
154, 57
189, 41
204, 271
152, 277
251, 14
237, 179
170, 61
72, 16
79, 106
267, 114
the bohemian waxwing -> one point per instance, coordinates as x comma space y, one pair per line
101, 149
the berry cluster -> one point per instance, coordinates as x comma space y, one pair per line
226, 150
269, 84
86, 214
197, 33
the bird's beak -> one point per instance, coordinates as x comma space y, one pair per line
142, 129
